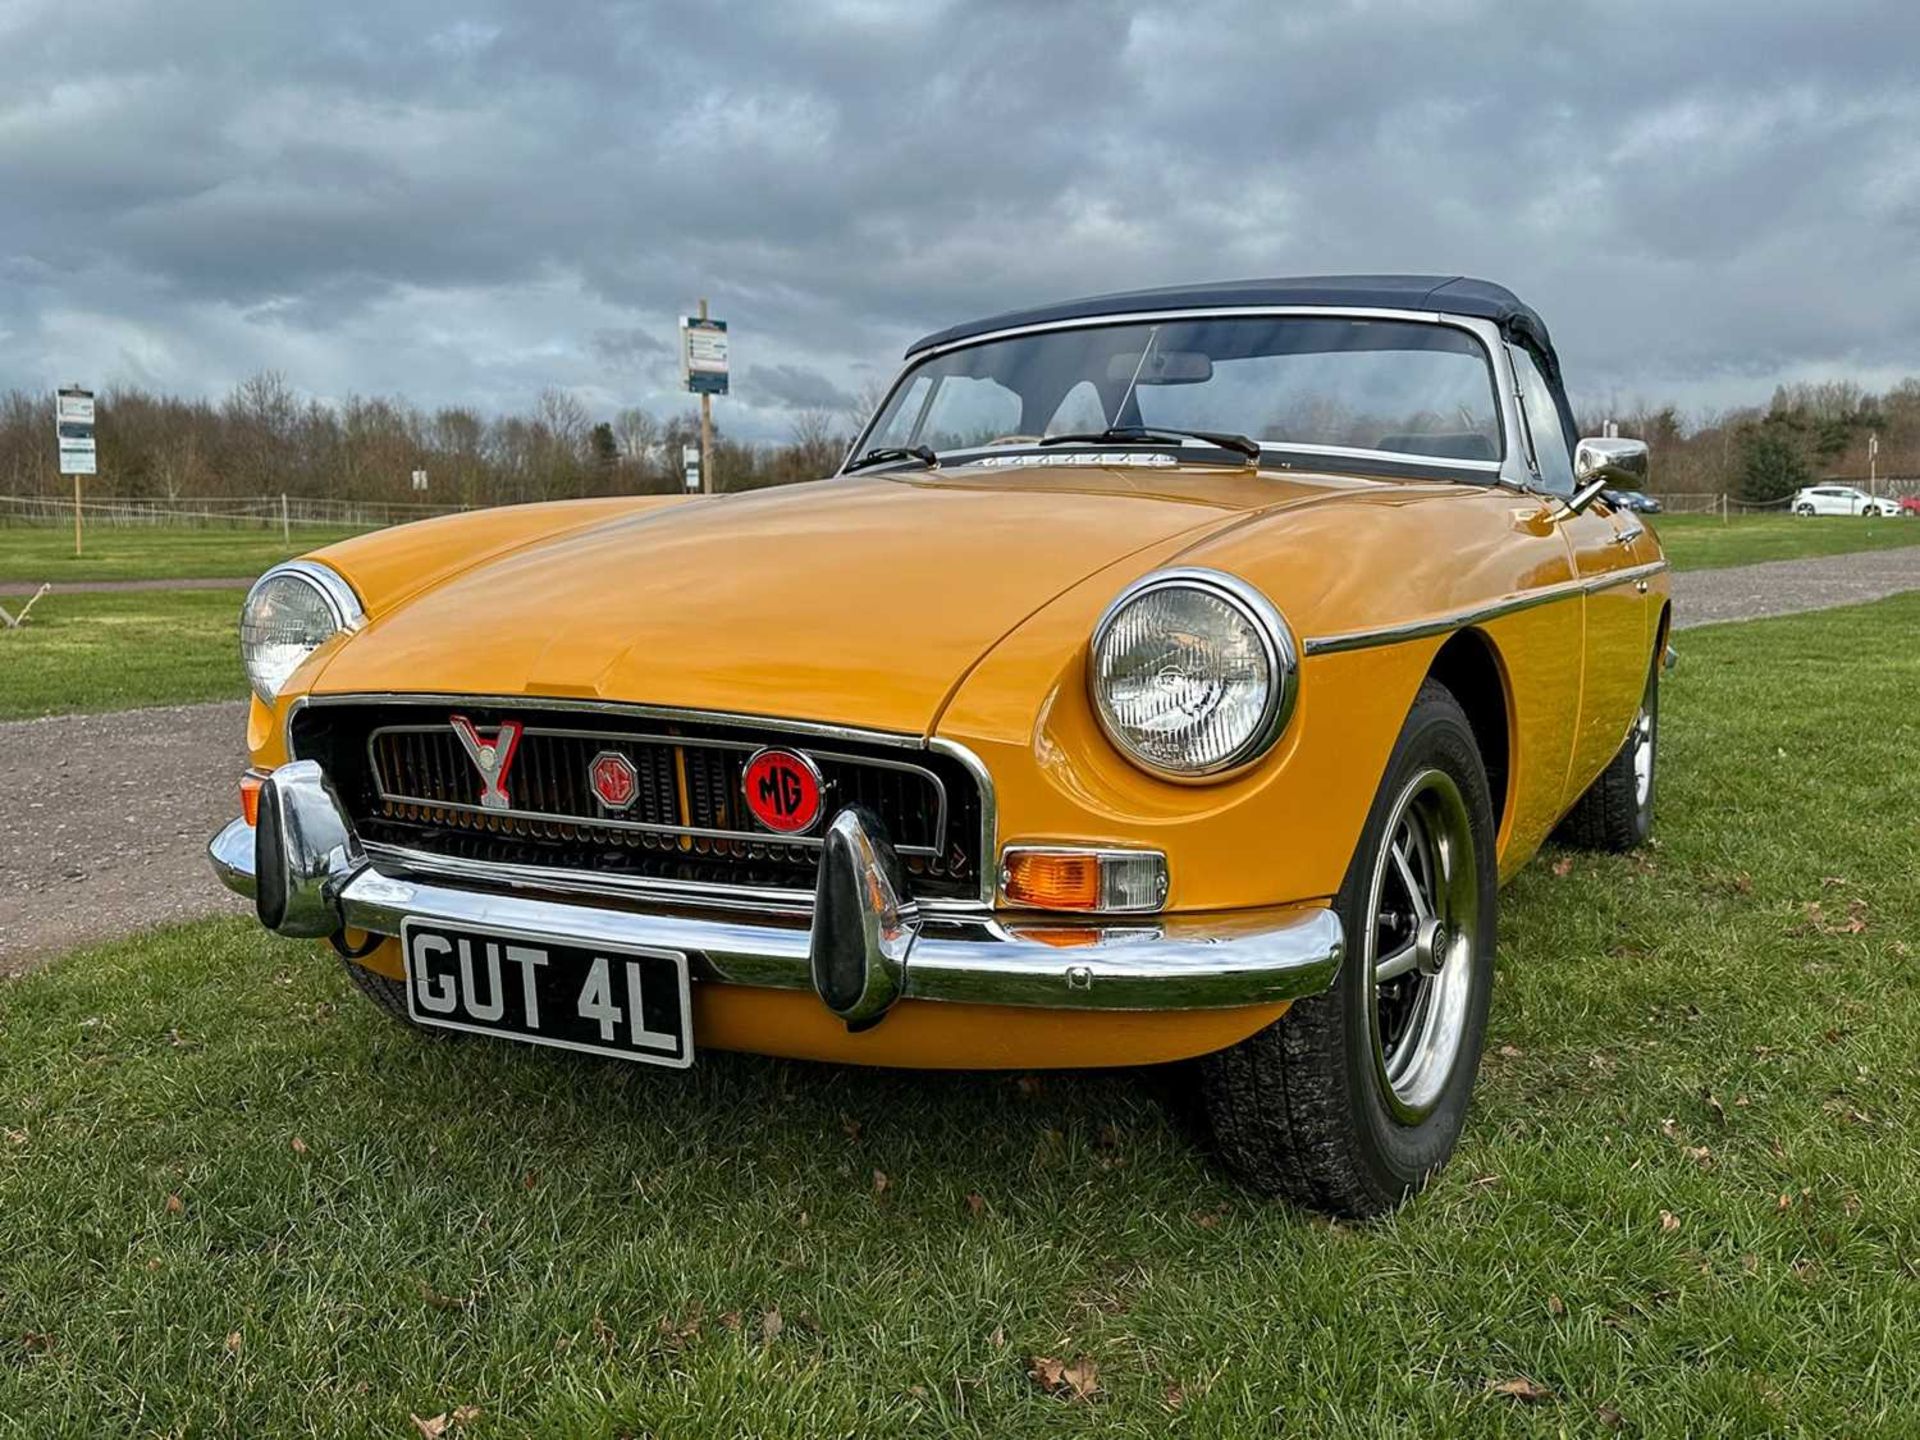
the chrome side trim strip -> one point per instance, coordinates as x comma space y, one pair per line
1477, 614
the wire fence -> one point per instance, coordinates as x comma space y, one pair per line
248, 512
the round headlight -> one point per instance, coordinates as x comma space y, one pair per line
289, 613
1192, 672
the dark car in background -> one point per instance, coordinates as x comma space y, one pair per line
1635, 500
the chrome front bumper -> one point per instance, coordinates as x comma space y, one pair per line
863, 949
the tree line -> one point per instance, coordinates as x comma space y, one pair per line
266, 439
1762, 454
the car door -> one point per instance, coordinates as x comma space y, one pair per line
1607, 546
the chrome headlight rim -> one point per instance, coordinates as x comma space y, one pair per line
342, 605
1277, 642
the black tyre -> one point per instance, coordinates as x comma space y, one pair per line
388, 995
1616, 812
1353, 1099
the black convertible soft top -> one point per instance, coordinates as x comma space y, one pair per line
1447, 294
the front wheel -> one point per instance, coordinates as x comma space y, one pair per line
1616, 812
1803, 509
1353, 1099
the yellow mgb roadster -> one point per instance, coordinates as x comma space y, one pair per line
1168, 676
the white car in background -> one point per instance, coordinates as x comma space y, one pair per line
1842, 500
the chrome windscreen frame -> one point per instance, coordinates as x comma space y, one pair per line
1511, 470
403, 860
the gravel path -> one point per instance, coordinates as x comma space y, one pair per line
111, 587
107, 819
1782, 587
107, 816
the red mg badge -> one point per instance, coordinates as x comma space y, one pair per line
614, 780
782, 790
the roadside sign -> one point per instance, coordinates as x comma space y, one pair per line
703, 355
690, 464
73, 431
419, 479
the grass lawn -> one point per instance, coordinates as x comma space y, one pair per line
1704, 542
236, 1200
40, 553
110, 652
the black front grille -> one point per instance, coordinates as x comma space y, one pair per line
407, 779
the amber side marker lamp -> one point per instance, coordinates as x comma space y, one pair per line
1094, 881
250, 784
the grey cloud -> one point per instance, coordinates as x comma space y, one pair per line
372, 196
795, 387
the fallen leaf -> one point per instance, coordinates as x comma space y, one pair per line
36, 1342
16, 1137
1173, 1397
1669, 1222
530, 1179
851, 1126
233, 1342
466, 1414
730, 1320
770, 1326
1030, 1085
432, 1428
1609, 1417
976, 1203
1714, 1107
1563, 867
998, 1339
1832, 882
1512, 1052
1520, 1388
1556, 1306
1077, 1380
299, 1146
1700, 1155
175, 1205
881, 1184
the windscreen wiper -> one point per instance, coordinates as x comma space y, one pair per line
886, 453
1159, 434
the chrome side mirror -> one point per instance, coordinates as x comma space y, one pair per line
1601, 462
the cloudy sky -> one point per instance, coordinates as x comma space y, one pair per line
463, 204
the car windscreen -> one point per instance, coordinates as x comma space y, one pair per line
1402, 387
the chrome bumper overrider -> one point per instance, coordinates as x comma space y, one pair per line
865, 948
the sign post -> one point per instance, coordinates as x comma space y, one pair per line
73, 431
703, 366
690, 465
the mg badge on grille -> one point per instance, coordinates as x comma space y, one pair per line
493, 757
783, 790
616, 784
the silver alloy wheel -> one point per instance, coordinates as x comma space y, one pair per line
1643, 757
1423, 919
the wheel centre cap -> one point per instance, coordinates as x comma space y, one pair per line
1431, 945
